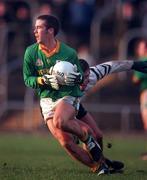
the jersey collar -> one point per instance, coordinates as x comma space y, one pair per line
48, 53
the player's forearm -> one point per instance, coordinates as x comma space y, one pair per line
31, 82
119, 66
101, 70
125, 65
104, 69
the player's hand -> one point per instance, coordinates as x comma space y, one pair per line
73, 78
51, 80
51, 69
140, 66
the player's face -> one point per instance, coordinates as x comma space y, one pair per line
86, 80
41, 32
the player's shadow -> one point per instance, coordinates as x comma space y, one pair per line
116, 172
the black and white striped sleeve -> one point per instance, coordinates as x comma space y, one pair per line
101, 70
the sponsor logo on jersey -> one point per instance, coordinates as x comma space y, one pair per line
39, 62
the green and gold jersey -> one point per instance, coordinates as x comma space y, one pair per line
37, 63
142, 77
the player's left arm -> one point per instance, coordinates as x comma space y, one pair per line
104, 69
99, 71
29, 72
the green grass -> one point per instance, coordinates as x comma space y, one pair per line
39, 157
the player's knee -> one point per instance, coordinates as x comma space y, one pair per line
59, 123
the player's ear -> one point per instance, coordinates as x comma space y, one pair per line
51, 30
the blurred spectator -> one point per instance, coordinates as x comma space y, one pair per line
141, 80
130, 16
4, 19
44, 7
4, 16
59, 6
78, 15
20, 32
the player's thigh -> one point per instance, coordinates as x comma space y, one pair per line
64, 111
60, 135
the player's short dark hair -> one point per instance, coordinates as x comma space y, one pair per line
51, 22
84, 64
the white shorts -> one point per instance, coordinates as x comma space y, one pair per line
48, 106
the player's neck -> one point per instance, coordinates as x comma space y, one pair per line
51, 44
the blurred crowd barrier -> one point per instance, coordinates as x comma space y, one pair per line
100, 30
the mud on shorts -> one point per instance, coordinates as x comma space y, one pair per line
48, 106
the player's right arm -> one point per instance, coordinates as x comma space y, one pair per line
31, 77
29, 72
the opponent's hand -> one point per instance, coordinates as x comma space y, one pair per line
73, 78
140, 66
51, 80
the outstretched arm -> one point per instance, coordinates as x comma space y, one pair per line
101, 70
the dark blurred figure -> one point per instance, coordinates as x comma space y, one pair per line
141, 79
5, 19
44, 7
78, 15
4, 16
59, 6
20, 32
129, 16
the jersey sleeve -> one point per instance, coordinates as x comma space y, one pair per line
29, 72
101, 70
140, 76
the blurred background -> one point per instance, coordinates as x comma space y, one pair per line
100, 30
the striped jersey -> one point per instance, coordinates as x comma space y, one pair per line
101, 70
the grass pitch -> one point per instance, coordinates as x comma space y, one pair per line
39, 157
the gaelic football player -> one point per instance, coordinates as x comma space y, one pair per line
58, 103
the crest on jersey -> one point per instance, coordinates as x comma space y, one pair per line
39, 62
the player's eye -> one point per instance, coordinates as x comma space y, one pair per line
38, 27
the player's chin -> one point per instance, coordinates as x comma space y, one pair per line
38, 40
